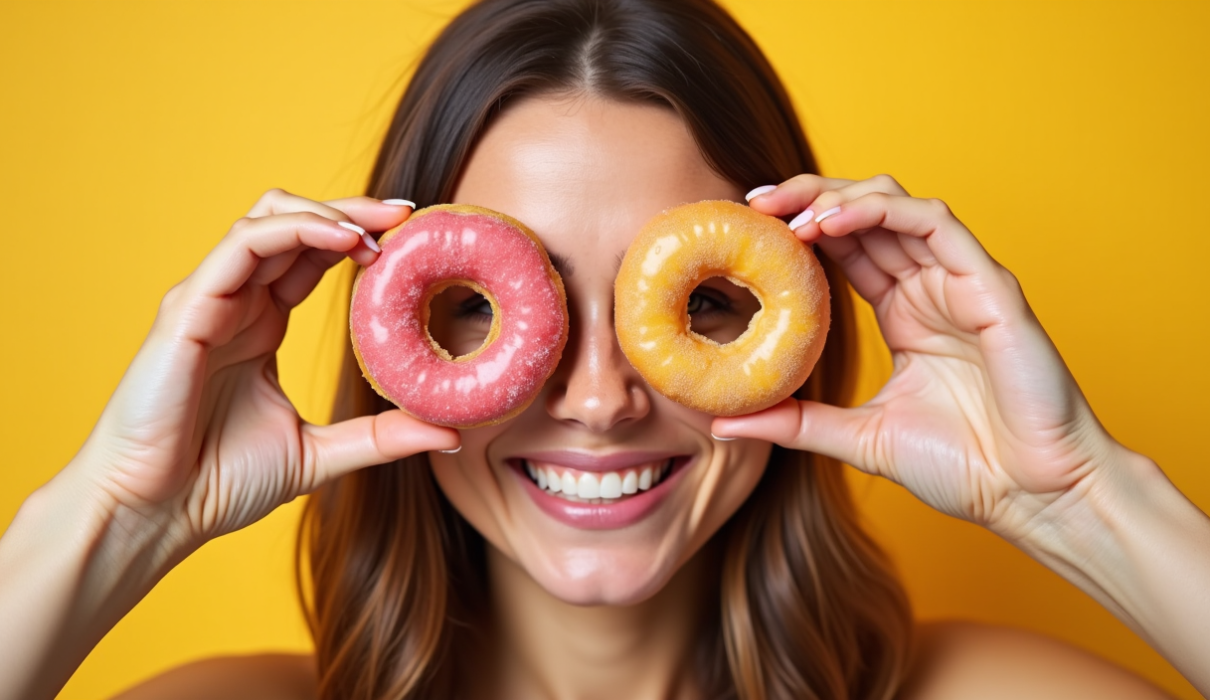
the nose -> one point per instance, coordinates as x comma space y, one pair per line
595, 386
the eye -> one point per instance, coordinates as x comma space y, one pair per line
476, 309
703, 303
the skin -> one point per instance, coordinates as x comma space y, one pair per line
168, 468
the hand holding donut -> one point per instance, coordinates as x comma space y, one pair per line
981, 418
199, 439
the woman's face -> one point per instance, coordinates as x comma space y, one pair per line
585, 174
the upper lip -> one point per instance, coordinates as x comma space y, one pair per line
590, 462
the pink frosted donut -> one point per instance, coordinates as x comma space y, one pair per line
493, 254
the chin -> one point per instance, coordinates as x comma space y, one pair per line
621, 574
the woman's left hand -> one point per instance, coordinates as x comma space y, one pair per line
980, 417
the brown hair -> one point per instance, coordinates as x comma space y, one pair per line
809, 607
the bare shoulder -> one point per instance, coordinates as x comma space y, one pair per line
970, 661
255, 677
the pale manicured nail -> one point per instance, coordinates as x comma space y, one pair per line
801, 219
400, 203
721, 439
826, 214
456, 450
763, 189
370, 242
351, 227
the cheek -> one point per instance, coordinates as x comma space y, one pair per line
471, 486
722, 489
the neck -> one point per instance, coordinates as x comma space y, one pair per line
551, 649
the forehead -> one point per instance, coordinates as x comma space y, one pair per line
585, 173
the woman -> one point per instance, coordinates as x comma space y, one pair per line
440, 576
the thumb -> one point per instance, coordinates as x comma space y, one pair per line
340, 448
840, 433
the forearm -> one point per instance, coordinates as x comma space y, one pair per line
71, 566
1136, 544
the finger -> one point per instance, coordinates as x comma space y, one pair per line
275, 266
840, 433
885, 250
372, 214
867, 279
337, 449
793, 195
233, 261
949, 242
301, 279
799, 195
366, 212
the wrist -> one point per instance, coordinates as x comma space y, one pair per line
75, 562
1130, 539
119, 546
1085, 532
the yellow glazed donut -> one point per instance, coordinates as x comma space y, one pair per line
684, 246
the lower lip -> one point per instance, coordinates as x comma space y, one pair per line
589, 516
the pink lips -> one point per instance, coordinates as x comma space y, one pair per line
589, 516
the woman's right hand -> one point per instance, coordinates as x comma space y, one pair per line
199, 439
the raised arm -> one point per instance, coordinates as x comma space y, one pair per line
982, 420
197, 441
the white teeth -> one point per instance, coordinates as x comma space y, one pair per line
588, 487
591, 486
611, 485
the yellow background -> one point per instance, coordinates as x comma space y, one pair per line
1071, 137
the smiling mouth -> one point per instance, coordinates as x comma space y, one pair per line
598, 488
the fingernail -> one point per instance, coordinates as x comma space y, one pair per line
763, 189
351, 227
826, 214
400, 203
801, 219
721, 439
456, 450
370, 242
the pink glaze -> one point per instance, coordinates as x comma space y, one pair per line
587, 516
394, 347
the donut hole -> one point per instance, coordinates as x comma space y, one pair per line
721, 310
460, 320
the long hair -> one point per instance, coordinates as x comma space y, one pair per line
808, 605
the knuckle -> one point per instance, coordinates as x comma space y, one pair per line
889, 183
1010, 281
268, 201
172, 296
939, 207
273, 194
805, 180
171, 304
240, 225
310, 218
